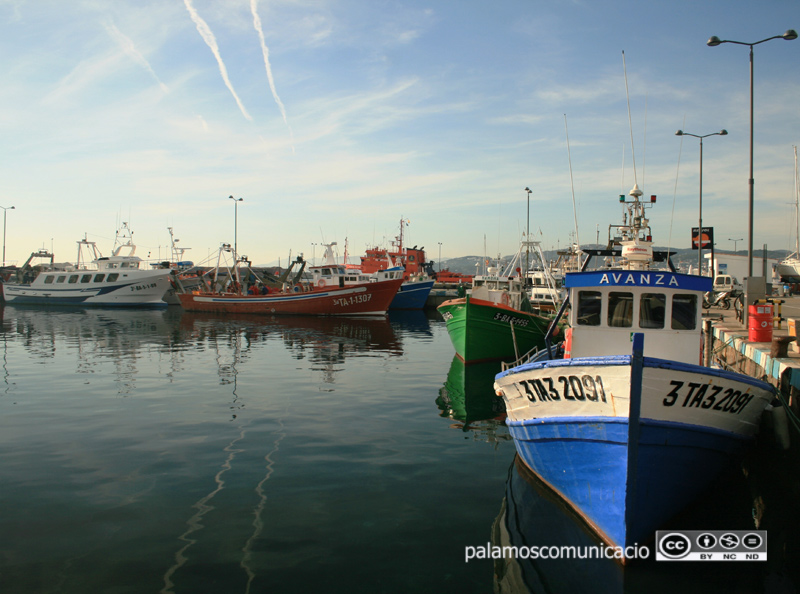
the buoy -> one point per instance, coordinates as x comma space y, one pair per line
568, 343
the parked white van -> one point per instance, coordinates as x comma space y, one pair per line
726, 282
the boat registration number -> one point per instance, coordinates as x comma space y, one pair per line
343, 301
143, 287
505, 318
568, 387
707, 396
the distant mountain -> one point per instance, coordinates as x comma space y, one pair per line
681, 258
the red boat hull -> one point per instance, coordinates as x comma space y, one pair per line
352, 300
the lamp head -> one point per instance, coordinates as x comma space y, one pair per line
528, 190
723, 132
790, 34
713, 41
679, 133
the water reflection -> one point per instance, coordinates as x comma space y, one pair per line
121, 335
325, 341
468, 398
532, 515
415, 321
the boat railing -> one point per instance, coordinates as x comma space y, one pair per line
533, 354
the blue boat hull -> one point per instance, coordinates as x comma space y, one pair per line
586, 462
412, 295
629, 441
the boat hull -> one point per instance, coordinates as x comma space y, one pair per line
361, 300
412, 295
146, 289
789, 271
485, 331
625, 473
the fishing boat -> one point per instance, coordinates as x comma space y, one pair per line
117, 280
233, 293
629, 427
417, 271
495, 320
447, 278
789, 268
546, 291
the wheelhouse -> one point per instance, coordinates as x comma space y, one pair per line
609, 306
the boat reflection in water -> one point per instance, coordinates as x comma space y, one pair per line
532, 517
99, 335
414, 321
324, 340
468, 398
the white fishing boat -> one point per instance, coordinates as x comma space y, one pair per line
789, 269
629, 427
117, 280
330, 274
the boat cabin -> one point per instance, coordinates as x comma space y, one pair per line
608, 306
330, 274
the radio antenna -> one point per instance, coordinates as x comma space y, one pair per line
630, 122
572, 184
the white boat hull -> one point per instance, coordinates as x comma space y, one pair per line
132, 289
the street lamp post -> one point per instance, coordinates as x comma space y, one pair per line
700, 225
5, 209
236, 202
713, 42
440, 256
734, 243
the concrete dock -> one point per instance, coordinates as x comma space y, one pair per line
777, 362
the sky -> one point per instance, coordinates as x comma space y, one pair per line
333, 120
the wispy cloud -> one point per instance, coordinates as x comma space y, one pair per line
265, 51
127, 46
211, 41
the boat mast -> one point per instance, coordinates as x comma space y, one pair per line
796, 207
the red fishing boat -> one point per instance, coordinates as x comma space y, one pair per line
239, 293
412, 259
359, 300
446, 277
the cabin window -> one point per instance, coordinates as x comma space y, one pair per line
86, 278
98, 278
326, 271
652, 307
684, 312
73, 278
113, 276
589, 303
61, 279
620, 309
48, 280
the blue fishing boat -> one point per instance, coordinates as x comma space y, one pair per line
629, 426
412, 294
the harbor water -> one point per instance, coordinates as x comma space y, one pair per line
162, 451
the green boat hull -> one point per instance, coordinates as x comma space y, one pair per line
482, 330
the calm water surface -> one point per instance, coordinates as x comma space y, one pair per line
174, 452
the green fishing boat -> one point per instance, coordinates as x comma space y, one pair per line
482, 330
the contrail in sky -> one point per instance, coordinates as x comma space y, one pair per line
265, 51
211, 42
127, 46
